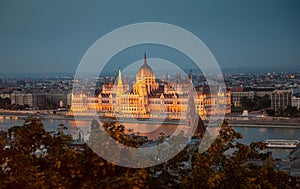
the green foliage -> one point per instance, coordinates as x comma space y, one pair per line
257, 103
214, 169
63, 166
262, 102
247, 103
270, 112
4, 103
289, 111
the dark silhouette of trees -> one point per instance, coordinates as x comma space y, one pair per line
4, 103
257, 103
59, 165
289, 111
215, 169
39, 159
247, 103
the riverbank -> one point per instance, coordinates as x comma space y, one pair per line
235, 121
273, 122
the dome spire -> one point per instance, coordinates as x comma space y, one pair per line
145, 58
145, 71
120, 82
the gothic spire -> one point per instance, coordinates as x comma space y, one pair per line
167, 78
145, 58
120, 82
191, 76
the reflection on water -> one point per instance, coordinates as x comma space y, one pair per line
142, 127
291, 131
250, 134
156, 130
261, 134
262, 129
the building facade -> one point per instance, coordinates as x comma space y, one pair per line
149, 98
296, 101
236, 95
39, 99
21, 98
280, 99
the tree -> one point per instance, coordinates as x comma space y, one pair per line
291, 111
266, 101
4, 103
60, 165
270, 112
247, 103
214, 169
39, 159
262, 102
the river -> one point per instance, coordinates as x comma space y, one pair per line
250, 134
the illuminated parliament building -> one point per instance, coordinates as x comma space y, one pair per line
150, 97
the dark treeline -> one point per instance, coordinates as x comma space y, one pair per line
38, 159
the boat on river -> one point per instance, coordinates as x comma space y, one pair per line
281, 143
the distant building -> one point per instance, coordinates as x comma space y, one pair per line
296, 101
280, 99
236, 95
38, 99
57, 97
262, 91
22, 98
69, 99
4, 95
149, 98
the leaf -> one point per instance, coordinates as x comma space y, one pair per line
58, 164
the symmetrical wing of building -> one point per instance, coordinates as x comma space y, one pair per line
150, 97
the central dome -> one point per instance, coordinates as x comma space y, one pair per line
145, 70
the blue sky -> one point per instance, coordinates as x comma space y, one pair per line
52, 36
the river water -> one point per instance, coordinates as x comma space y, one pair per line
250, 134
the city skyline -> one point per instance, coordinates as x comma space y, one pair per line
241, 35
150, 97
150, 94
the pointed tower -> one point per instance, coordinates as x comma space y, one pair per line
145, 58
119, 87
167, 78
191, 111
119, 92
191, 76
200, 130
126, 86
120, 82
178, 78
114, 79
104, 80
220, 92
193, 119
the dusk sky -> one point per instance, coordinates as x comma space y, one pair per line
39, 36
